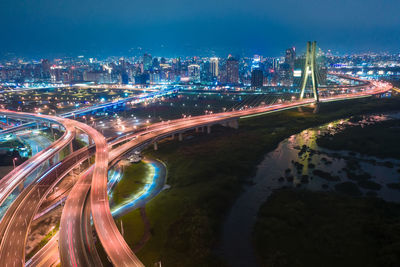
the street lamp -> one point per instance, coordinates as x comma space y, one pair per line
14, 159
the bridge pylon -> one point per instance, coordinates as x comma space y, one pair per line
310, 69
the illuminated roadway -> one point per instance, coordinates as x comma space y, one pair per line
114, 244
17, 176
135, 99
162, 130
112, 241
12, 248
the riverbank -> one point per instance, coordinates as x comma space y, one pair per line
207, 173
379, 139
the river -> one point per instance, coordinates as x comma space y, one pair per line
293, 164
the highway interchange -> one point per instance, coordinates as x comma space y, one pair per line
89, 196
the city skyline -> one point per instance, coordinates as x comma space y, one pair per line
178, 28
199, 133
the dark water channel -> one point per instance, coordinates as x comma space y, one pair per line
293, 164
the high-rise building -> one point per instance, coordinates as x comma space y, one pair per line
45, 69
286, 70
205, 72
232, 71
214, 66
97, 76
257, 78
275, 63
156, 63
194, 72
147, 62
285, 74
122, 63
290, 57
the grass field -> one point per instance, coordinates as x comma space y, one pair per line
134, 178
379, 139
302, 228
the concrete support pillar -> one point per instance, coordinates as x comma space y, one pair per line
172, 136
90, 141
71, 148
208, 129
7, 120
51, 128
197, 129
155, 146
180, 137
316, 109
37, 125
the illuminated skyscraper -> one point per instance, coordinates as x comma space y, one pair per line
194, 72
286, 70
290, 57
147, 62
232, 71
275, 63
214, 66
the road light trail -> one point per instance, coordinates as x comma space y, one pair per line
114, 244
15, 177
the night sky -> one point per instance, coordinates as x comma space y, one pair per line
203, 27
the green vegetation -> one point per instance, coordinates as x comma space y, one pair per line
302, 228
348, 188
44, 241
13, 143
207, 172
11, 146
133, 227
134, 178
326, 175
380, 139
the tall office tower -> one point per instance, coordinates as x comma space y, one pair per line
122, 63
45, 69
194, 72
177, 66
214, 66
285, 74
205, 72
232, 71
287, 69
275, 63
156, 63
222, 73
147, 62
257, 78
290, 57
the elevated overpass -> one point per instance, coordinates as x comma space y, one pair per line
112, 241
